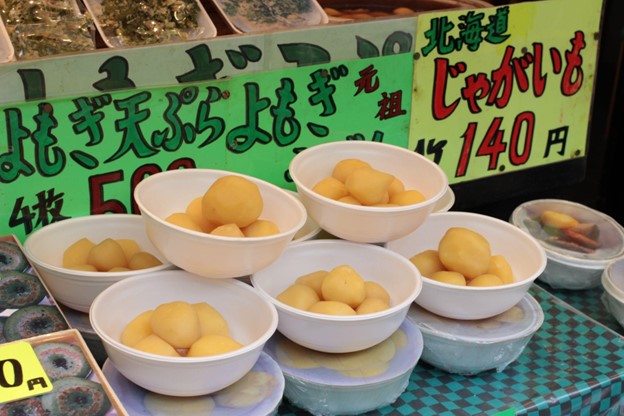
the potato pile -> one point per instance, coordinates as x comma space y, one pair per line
340, 291
180, 329
356, 182
464, 258
231, 207
109, 255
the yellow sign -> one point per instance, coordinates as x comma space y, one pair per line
501, 89
21, 373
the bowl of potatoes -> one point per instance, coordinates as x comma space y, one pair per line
79, 257
339, 296
218, 224
474, 266
367, 192
180, 334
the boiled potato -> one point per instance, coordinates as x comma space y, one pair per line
260, 228
137, 329
395, 187
345, 167
232, 199
376, 291
77, 253
409, 197
84, 268
211, 322
117, 269
344, 284
143, 260
314, 280
228, 230
349, 200
557, 219
452, 278
331, 188
428, 262
332, 307
465, 251
195, 211
106, 255
184, 220
213, 345
177, 323
485, 280
298, 296
500, 267
156, 345
129, 247
371, 305
369, 186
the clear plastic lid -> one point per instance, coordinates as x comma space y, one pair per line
523, 319
571, 232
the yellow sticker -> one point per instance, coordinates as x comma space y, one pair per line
21, 373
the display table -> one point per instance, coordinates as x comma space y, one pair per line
572, 365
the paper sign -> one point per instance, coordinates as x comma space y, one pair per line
21, 373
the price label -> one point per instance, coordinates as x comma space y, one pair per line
21, 373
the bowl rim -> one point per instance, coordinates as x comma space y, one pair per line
217, 238
80, 275
362, 208
607, 282
187, 361
393, 310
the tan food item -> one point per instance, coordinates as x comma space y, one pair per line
228, 230
409, 197
345, 167
452, 278
143, 260
376, 291
211, 322
349, 200
195, 211
232, 199
428, 262
486, 280
156, 345
212, 344
77, 253
557, 219
344, 284
137, 329
116, 269
177, 323
261, 228
395, 187
84, 268
184, 220
298, 296
314, 280
332, 307
500, 267
129, 247
465, 251
371, 305
369, 186
106, 255
331, 188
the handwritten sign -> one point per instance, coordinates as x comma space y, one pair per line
21, 373
502, 89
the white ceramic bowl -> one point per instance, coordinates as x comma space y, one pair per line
361, 223
252, 320
330, 333
44, 249
612, 280
569, 267
207, 255
524, 254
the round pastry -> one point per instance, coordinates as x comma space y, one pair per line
33, 320
25, 407
11, 257
62, 359
75, 396
18, 289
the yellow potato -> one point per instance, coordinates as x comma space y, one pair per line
84, 267
213, 345
177, 323
396, 186
143, 260
260, 228
331, 188
452, 278
376, 291
349, 200
314, 280
557, 219
344, 284
118, 269
428, 262
182, 219
298, 296
344, 168
465, 251
129, 247
77, 253
137, 329
211, 322
332, 307
106, 255
409, 197
371, 305
486, 280
500, 267
232, 199
228, 230
195, 211
156, 345
369, 186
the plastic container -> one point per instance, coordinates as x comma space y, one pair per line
258, 393
612, 280
471, 347
577, 256
350, 383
